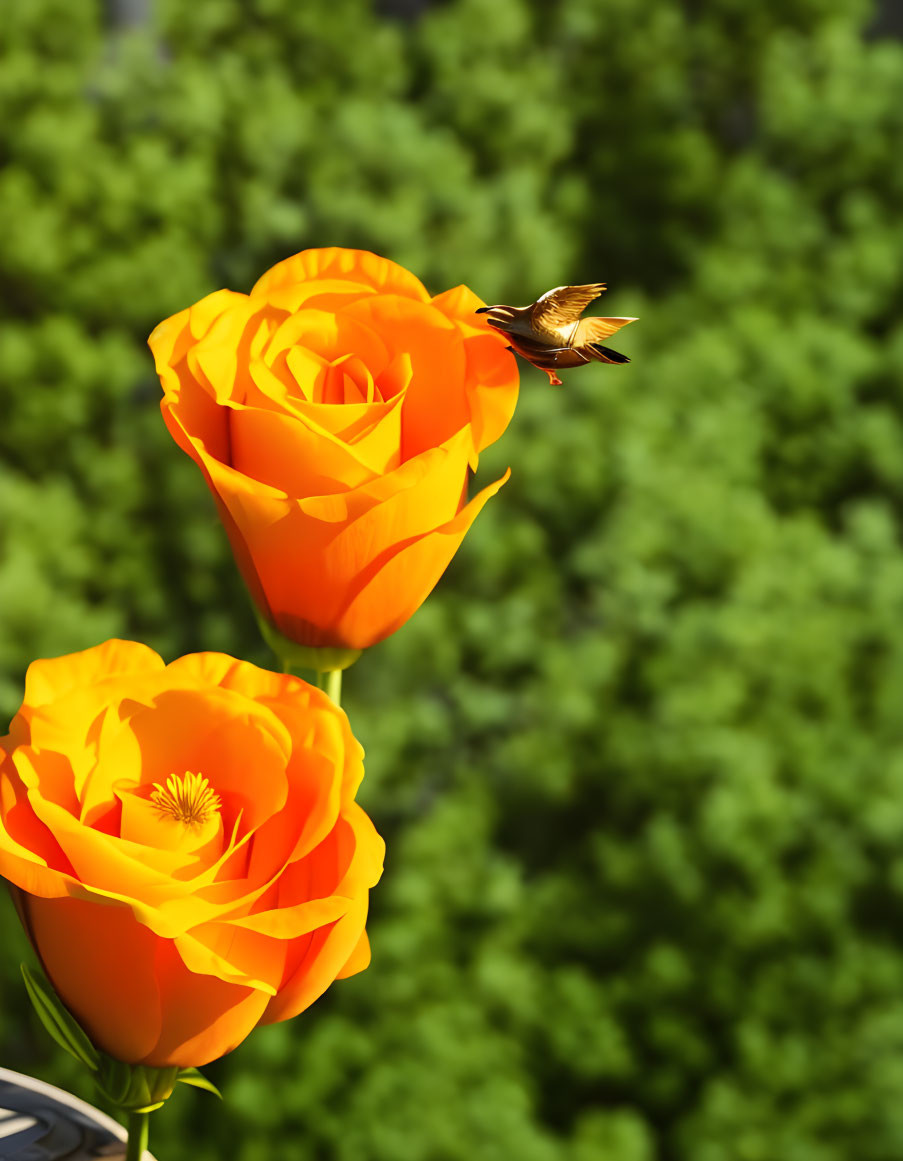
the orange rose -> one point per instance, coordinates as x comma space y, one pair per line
334, 412
184, 846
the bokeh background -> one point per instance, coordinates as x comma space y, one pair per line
639, 760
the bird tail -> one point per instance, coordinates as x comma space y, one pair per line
605, 354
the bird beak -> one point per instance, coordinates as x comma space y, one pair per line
499, 316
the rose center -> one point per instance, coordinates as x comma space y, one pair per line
186, 798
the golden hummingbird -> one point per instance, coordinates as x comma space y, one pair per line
550, 333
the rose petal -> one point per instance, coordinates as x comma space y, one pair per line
319, 294
371, 430
49, 679
435, 402
171, 338
313, 963
204, 1017
492, 388
110, 985
341, 263
286, 453
219, 360
331, 336
359, 959
397, 589
492, 376
29, 854
289, 922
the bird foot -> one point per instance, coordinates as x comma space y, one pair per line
554, 381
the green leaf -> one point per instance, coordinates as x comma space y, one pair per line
197, 1080
58, 1020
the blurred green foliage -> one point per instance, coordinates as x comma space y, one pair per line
640, 759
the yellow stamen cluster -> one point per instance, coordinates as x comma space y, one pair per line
186, 798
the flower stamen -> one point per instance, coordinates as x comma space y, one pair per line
186, 798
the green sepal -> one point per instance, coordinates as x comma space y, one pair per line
135, 1088
58, 1020
295, 656
197, 1079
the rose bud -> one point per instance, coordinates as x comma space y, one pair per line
335, 413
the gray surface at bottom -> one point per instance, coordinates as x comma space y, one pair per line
41, 1123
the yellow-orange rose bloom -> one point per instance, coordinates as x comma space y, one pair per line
334, 413
184, 846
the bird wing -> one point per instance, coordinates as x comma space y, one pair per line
596, 330
560, 307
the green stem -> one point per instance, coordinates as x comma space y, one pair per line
329, 680
333, 685
138, 1132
